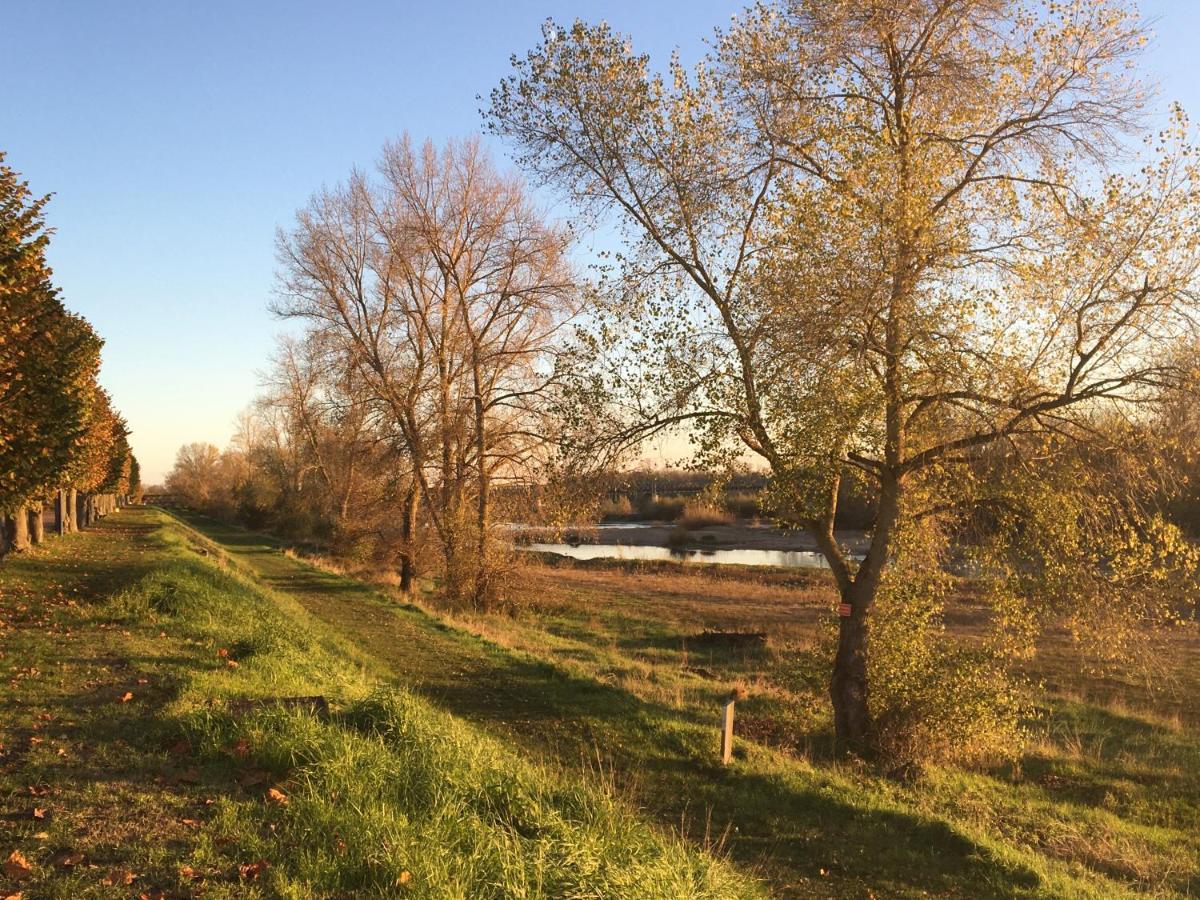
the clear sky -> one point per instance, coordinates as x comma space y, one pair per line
177, 135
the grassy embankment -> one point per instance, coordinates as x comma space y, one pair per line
123, 772
1105, 803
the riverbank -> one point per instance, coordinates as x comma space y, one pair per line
742, 535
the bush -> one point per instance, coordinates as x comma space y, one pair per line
702, 515
668, 509
744, 505
620, 508
934, 701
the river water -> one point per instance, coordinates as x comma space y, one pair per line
792, 559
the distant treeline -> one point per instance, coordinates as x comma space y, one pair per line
664, 494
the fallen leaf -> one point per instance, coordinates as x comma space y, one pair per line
241, 748
17, 866
17, 896
251, 871
231, 663
223, 653
39, 790
275, 795
405, 877
67, 859
39, 813
119, 876
190, 823
126, 697
189, 872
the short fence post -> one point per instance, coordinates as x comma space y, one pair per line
727, 729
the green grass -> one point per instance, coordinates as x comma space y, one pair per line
386, 796
1106, 803
503, 757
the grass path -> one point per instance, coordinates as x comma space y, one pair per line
811, 831
89, 792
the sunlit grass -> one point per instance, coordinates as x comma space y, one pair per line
386, 795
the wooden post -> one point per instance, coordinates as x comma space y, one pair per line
727, 728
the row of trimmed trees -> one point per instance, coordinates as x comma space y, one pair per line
61, 441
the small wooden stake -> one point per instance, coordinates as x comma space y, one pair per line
727, 730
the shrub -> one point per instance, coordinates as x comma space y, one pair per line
702, 515
668, 509
620, 508
934, 701
744, 505
678, 538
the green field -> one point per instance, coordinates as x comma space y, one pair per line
567, 752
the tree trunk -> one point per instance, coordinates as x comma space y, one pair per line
408, 529
20, 530
72, 510
482, 564
848, 685
60, 512
37, 524
5, 535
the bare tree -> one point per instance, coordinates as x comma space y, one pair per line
445, 290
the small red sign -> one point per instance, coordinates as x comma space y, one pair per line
845, 610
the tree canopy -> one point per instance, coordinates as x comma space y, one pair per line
56, 424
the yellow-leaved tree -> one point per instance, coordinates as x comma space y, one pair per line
906, 241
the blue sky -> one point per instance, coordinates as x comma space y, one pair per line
176, 136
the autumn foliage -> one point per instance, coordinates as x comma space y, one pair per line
58, 429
